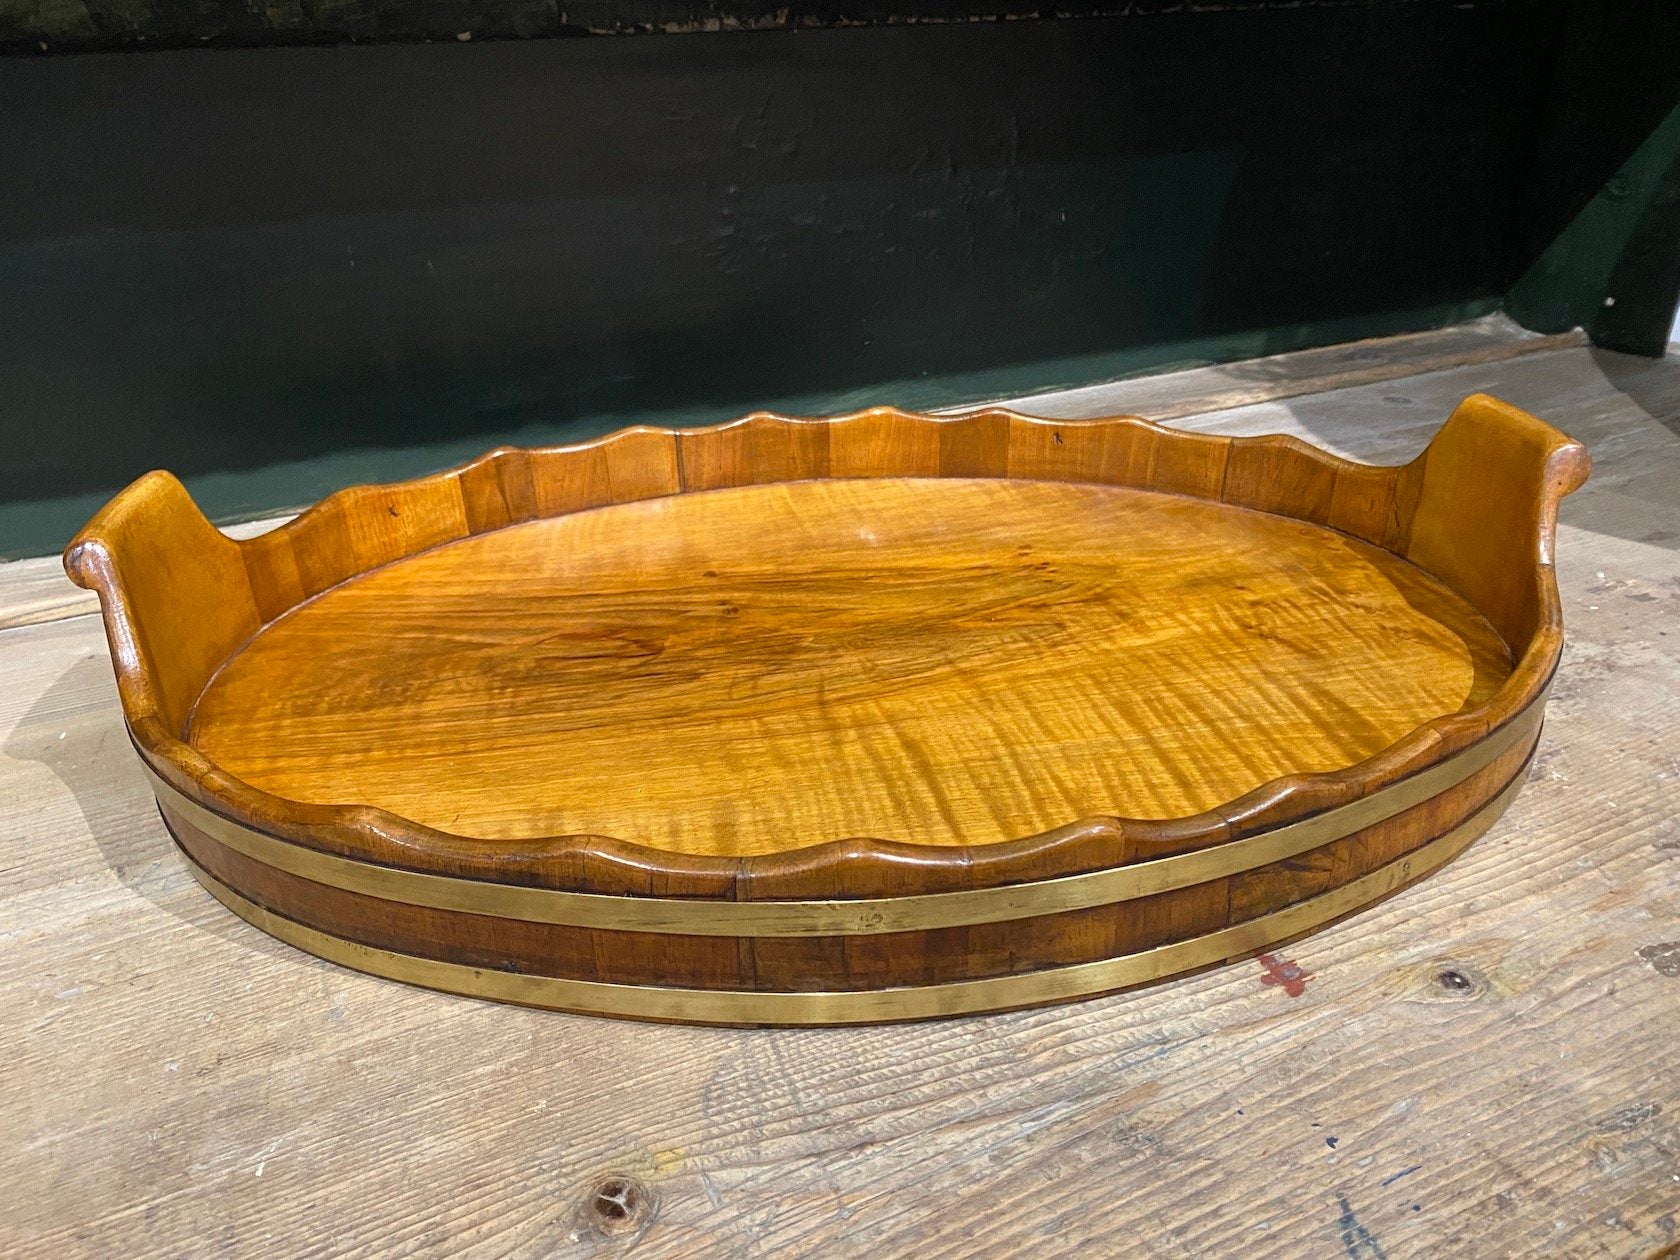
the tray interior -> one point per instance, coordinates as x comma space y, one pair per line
758, 669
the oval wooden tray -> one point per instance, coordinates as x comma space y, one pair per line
878, 717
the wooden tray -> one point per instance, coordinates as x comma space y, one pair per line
815, 721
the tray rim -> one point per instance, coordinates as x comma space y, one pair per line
859, 916
625, 867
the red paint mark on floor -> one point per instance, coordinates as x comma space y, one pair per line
1286, 973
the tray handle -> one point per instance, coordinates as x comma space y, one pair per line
173, 591
1479, 511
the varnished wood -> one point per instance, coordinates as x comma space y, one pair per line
834, 916
701, 1003
755, 670
1045, 937
874, 656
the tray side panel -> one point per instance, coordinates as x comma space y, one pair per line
852, 963
174, 595
1485, 515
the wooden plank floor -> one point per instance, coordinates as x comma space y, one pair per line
178, 1084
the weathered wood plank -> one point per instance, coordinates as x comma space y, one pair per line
35, 590
1226, 386
179, 1084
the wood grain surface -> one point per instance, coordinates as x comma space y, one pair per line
1483, 1067
180, 598
872, 655
935, 662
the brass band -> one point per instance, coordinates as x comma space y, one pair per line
734, 1006
859, 916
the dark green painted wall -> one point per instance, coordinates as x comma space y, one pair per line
281, 270
1600, 215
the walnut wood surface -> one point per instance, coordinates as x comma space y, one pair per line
760, 669
872, 656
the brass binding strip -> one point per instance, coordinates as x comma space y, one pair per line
734, 1006
859, 916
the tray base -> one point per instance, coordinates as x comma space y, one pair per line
938, 661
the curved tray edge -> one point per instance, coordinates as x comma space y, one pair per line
179, 597
858, 916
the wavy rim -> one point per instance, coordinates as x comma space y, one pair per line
858, 916
381, 837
